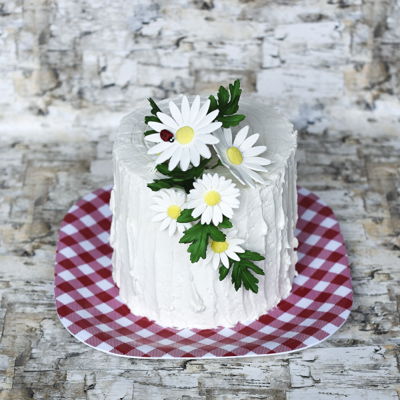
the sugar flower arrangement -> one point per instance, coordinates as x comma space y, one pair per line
187, 143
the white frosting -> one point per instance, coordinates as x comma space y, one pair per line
153, 271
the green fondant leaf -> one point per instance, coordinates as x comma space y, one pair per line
225, 224
152, 118
252, 255
223, 272
186, 216
228, 105
242, 271
231, 120
154, 107
178, 178
199, 236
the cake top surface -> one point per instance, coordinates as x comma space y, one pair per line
276, 133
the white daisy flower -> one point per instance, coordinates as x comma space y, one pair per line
219, 252
212, 197
185, 135
241, 156
168, 205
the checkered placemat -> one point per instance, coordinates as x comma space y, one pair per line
90, 308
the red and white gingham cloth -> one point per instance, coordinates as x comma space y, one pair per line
90, 308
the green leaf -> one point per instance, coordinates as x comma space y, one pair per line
234, 89
225, 224
223, 272
178, 178
154, 107
242, 271
227, 103
152, 118
223, 96
159, 184
213, 104
190, 234
252, 255
231, 120
215, 234
186, 216
191, 173
199, 236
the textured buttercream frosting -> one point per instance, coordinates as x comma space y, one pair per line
153, 271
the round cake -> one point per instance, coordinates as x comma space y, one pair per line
152, 268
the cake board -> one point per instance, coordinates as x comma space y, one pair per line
89, 306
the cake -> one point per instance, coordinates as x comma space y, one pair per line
203, 236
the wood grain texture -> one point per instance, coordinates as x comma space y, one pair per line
358, 178
71, 68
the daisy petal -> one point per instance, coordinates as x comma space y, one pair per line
175, 112
217, 215
255, 176
226, 210
157, 126
216, 261
244, 176
225, 260
154, 137
206, 216
195, 108
228, 136
232, 255
209, 128
258, 160
207, 120
203, 150
185, 110
165, 224
254, 151
241, 136
165, 155
236, 249
172, 227
249, 142
168, 121
202, 112
157, 207
159, 217
199, 210
255, 167
159, 147
185, 159
209, 257
175, 158
194, 156
208, 139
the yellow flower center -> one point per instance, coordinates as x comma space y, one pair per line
235, 156
174, 211
212, 198
219, 247
184, 135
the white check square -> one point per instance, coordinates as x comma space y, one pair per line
87, 220
83, 335
104, 284
67, 252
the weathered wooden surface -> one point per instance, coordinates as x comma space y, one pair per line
69, 67
359, 178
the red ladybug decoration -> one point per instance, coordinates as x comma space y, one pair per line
167, 136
